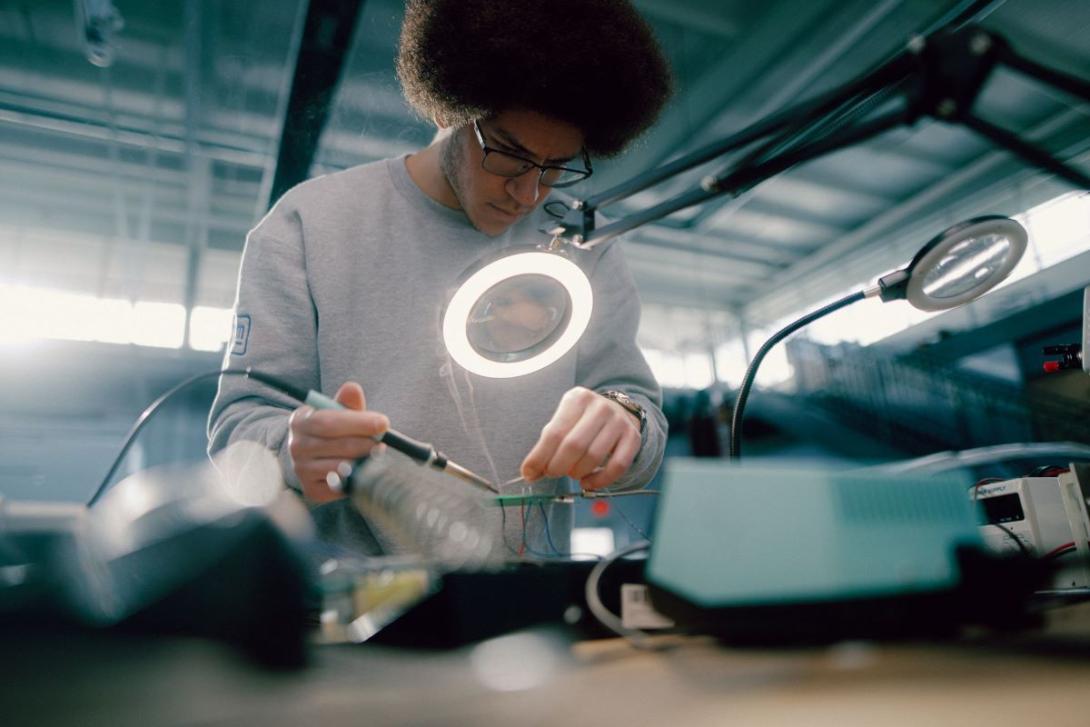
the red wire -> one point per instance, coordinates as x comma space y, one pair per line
1060, 550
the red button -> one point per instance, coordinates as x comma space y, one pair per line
599, 508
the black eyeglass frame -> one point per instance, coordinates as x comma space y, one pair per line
542, 168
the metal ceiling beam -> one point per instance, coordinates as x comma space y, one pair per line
323, 50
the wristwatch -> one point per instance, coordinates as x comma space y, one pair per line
629, 404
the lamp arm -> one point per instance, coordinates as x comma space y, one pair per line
1029, 152
1064, 81
751, 370
579, 223
800, 113
927, 60
738, 178
734, 179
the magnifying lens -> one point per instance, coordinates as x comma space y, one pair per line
518, 313
959, 264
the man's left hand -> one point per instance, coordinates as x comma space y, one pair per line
590, 438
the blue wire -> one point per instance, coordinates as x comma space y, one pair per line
548, 534
632, 525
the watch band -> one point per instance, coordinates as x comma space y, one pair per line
629, 404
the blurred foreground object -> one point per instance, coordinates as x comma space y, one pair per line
778, 556
170, 550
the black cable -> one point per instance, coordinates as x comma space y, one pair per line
1009, 533
1017, 541
751, 370
145, 416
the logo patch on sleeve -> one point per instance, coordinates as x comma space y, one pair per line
242, 335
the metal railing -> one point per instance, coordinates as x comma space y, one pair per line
920, 404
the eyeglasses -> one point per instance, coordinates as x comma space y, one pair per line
506, 164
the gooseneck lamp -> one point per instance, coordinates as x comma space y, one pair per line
956, 266
520, 313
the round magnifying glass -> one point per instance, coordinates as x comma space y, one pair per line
517, 314
960, 264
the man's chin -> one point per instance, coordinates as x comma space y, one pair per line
491, 227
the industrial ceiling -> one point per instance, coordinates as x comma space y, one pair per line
141, 178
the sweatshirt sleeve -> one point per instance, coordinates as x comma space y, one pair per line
610, 359
275, 332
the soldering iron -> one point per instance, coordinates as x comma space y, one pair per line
422, 452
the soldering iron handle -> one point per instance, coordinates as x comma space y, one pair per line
419, 451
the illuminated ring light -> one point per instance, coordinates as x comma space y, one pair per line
548, 264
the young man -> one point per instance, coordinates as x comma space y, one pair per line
343, 281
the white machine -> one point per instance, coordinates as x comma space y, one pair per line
1044, 516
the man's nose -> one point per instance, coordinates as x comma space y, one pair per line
526, 188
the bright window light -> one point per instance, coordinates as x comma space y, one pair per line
209, 328
668, 368
1060, 228
28, 313
680, 370
698, 371
865, 322
730, 362
158, 324
114, 321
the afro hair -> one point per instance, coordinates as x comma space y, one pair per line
592, 63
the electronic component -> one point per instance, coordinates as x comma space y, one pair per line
1044, 516
1072, 355
757, 555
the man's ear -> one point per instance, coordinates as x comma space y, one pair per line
441, 123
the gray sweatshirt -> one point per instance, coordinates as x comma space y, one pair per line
345, 280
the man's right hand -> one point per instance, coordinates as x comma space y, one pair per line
320, 440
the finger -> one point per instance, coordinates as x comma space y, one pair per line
596, 418
307, 447
597, 453
313, 478
298, 416
330, 423
568, 412
350, 395
619, 461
